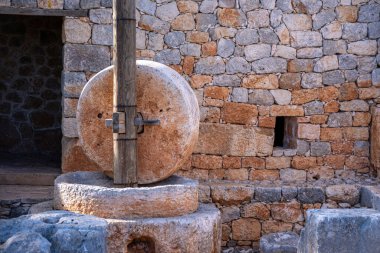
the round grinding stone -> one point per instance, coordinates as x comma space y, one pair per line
94, 193
162, 94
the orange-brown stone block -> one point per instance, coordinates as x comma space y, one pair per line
246, 229
231, 162
308, 131
216, 92
303, 163
253, 162
238, 113
277, 162
287, 212
206, 161
198, 81
256, 210
262, 175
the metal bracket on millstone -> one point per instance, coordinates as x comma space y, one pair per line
118, 122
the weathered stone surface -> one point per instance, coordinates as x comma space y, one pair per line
307, 6
86, 57
248, 5
365, 47
308, 131
102, 35
266, 194
258, 18
168, 56
231, 17
333, 77
167, 12
308, 195
205, 21
210, 65
285, 242
290, 81
320, 148
285, 52
268, 36
287, 212
311, 80
147, 6
343, 193
354, 105
269, 65
322, 18
260, 97
154, 24
247, 37
101, 16
305, 39
230, 194
267, 82
246, 229
292, 175
326, 63
332, 31
257, 51
327, 231
256, 210
341, 119
69, 232
63, 231
281, 97
237, 65
93, 193
369, 13
226, 47
334, 47
347, 61
312, 108
33, 242
52, 4
354, 31
234, 140
151, 167
297, 22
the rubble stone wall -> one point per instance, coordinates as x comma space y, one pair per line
250, 61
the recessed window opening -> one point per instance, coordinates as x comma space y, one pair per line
285, 132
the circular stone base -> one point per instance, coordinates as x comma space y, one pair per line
95, 194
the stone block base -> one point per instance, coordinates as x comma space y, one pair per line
64, 231
341, 230
198, 232
94, 193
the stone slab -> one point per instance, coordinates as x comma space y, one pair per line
199, 232
284, 242
162, 94
94, 193
341, 230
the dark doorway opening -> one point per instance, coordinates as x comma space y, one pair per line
30, 91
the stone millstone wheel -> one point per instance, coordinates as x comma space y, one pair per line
162, 94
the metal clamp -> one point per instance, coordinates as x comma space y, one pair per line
117, 123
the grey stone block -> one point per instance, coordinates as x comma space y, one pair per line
354, 31
322, 18
24, 3
146, 6
270, 65
311, 195
71, 4
174, 39
314, 107
102, 35
340, 119
374, 30
246, 37
266, 194
226, 47
333, 77
210, 65
230, 213
106, 3
320, 148
238, 65
73, 83
205, 21
86, 57
89, 4
347, 61
101, 16
65, 231
32, 242
366, 196
369, 13
191, 49
168, 56
341, 230
284, 242
261, 97
289, 193
227, 80
268, 36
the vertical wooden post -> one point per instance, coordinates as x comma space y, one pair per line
124, 100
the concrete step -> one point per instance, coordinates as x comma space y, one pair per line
284, 242
27, 170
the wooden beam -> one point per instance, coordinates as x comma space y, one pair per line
43, 12
124, 101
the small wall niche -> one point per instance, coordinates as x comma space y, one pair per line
285, 132
141, 245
